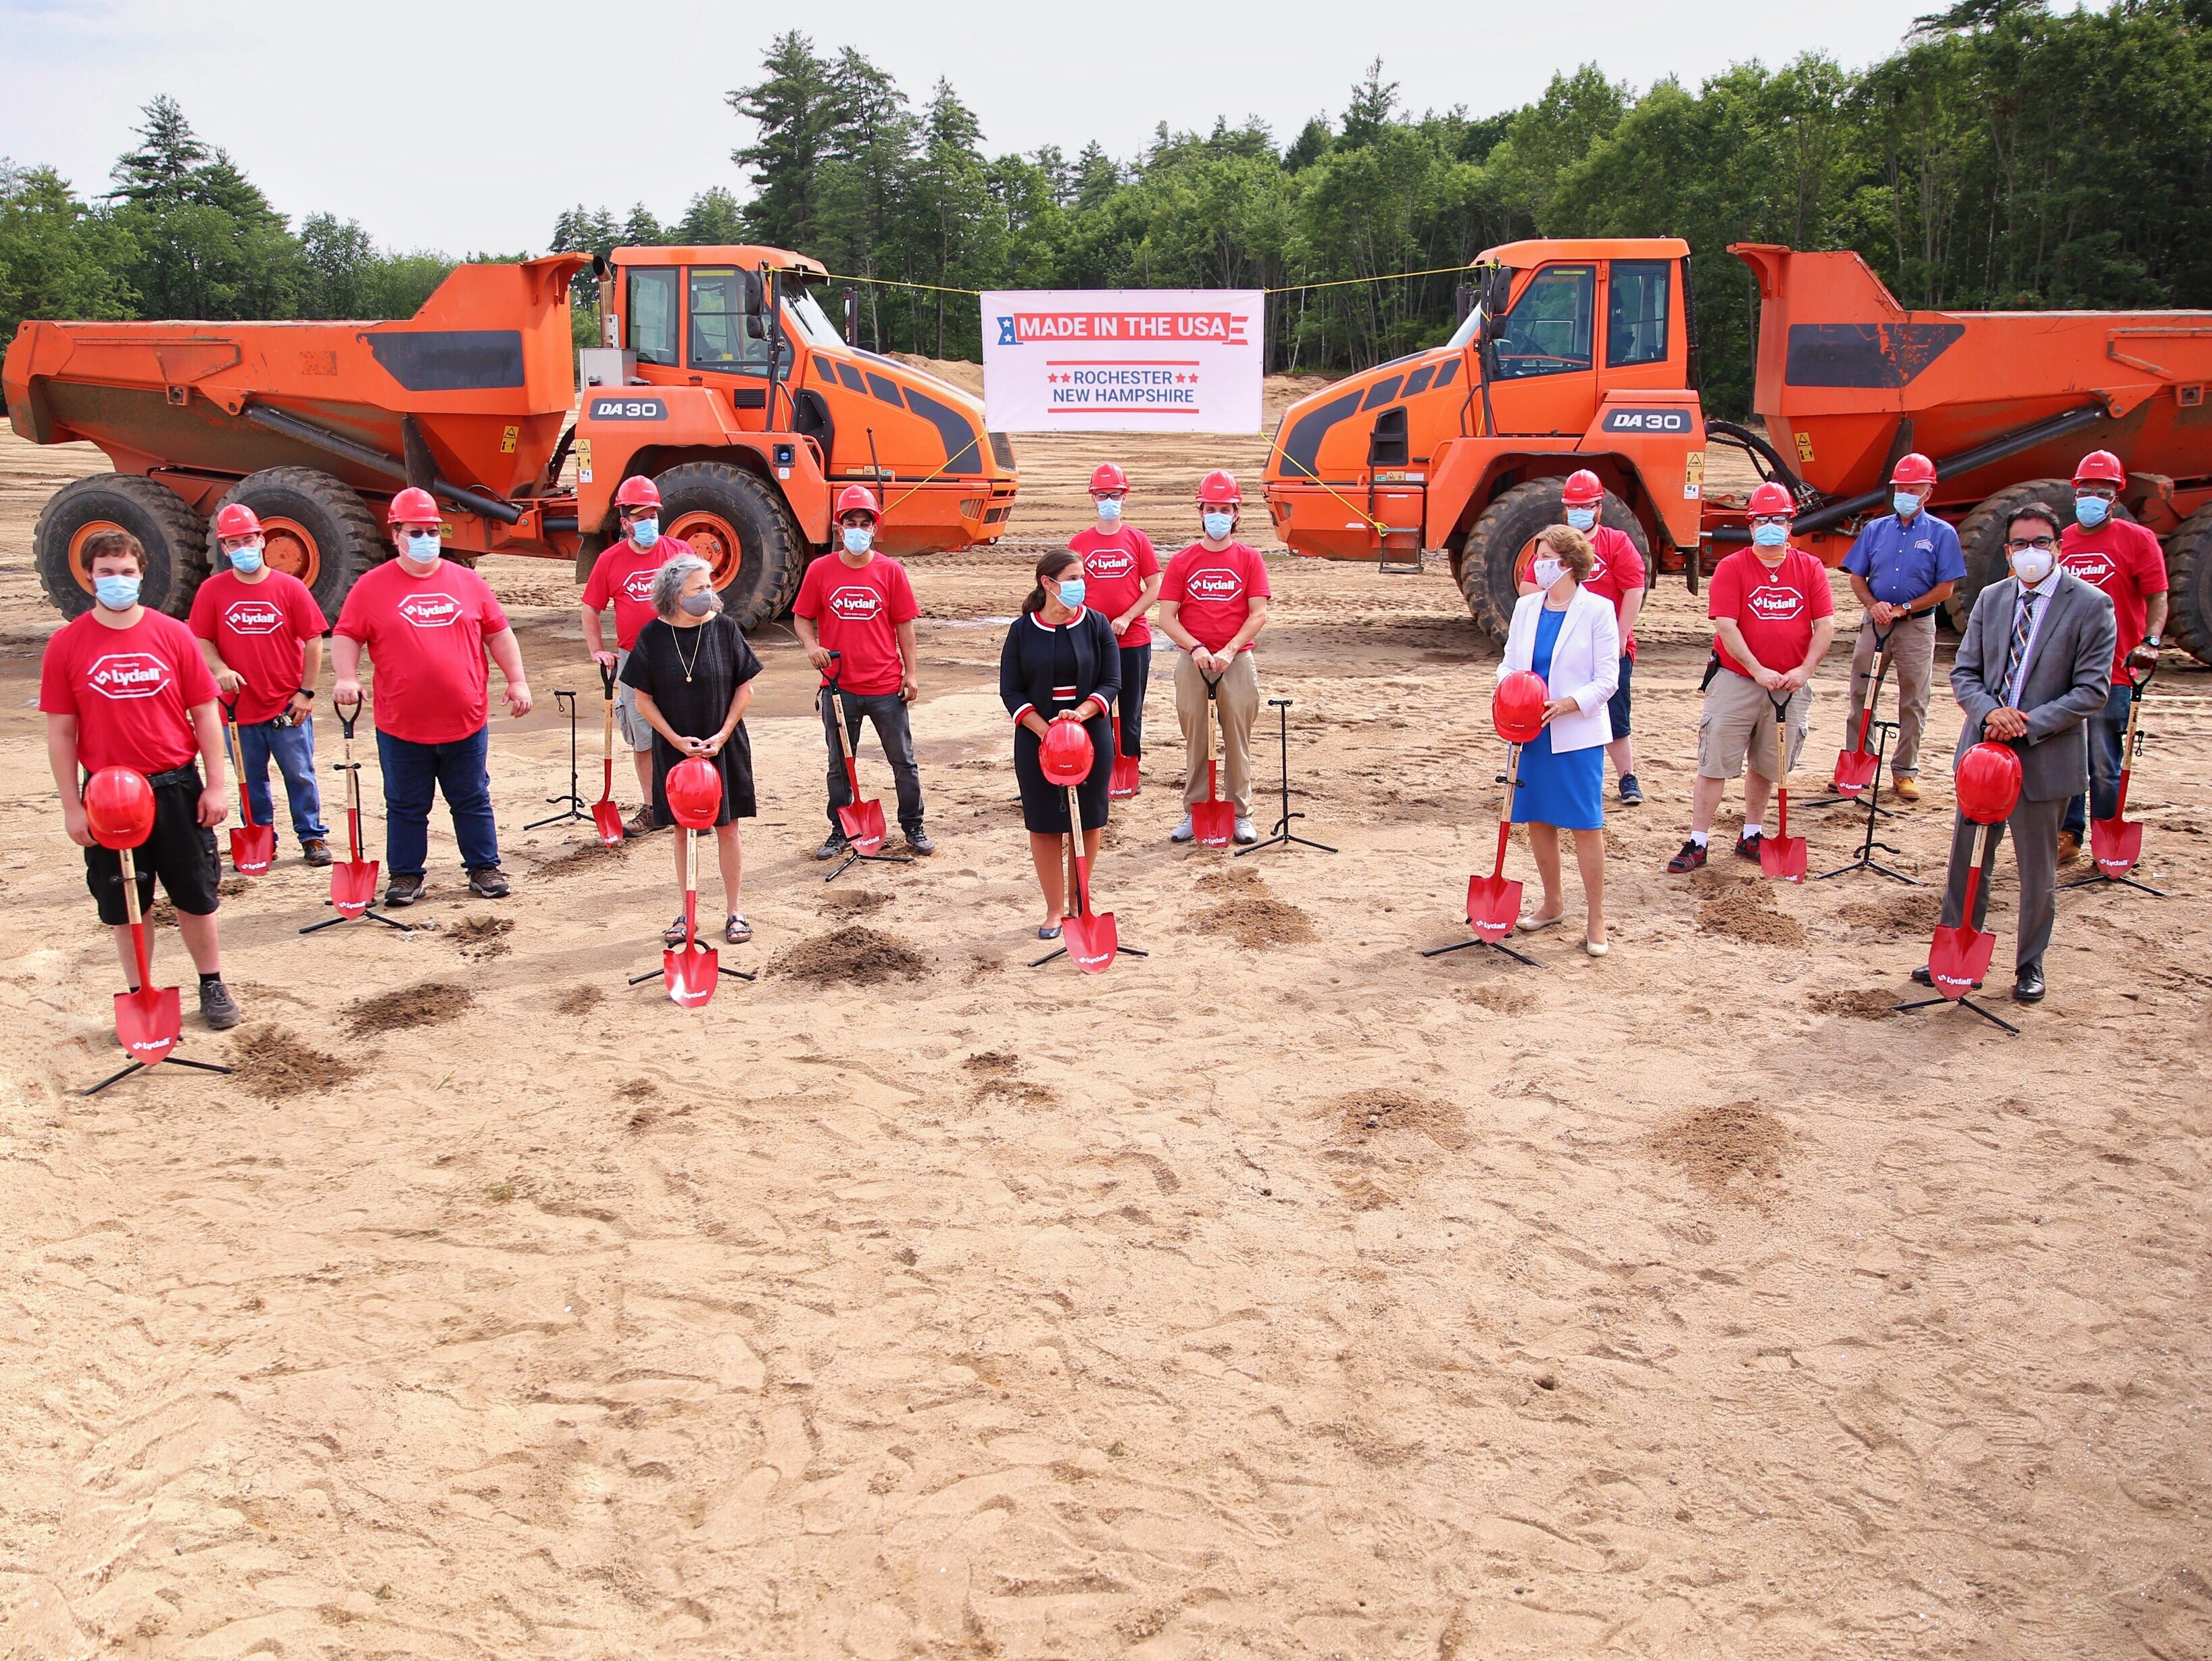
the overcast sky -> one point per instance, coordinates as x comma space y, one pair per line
460, 126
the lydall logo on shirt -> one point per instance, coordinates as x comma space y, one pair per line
1597, 567
127, 675
856, 604
638, 585
1214, 584
1109, 562
1775, 603
2091, 566
430, 611
254, 616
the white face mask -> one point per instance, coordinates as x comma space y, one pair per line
1545, 571
2032, 565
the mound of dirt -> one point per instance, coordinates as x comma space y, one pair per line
855, 902
1255, 921
636, 1090
1745, 911
1715, 1146
272, 1063
430, 1003
1501, 999
1232, 880
579, 1001
1867, 1003
1895, 914
994, 1064
1364, 1112
852, 957
478, 938
583, 857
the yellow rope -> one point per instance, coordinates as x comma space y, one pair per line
1291, 287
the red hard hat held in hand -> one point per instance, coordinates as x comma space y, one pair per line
1913, 471
637, 491
695, 792
1065, 753
1773, 497
858, 499
1219, 490
1988, 782
414, 507
119, 806
1516, 708
1108, 477
237, 519
2101, 467
1582, 489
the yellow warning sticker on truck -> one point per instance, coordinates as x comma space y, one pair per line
506, 441
583, 461
1805, 447
1694, 475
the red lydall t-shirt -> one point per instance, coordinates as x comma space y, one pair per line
425, 636
623, 576
858, 614
1114, 572
1216, 591
1776, 610
262, 630
2127, 563
130, 689
1618, 573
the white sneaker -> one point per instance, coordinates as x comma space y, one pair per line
1245, 833
1183, 832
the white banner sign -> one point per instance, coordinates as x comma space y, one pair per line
1122, 360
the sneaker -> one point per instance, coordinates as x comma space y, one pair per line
641, 823
217, 1007
488, 882
1747, 846
833, 845
1245, 832
2069, 847
1691, 858
918, 842
405, 888
1632, 792
1184, 832
315, 851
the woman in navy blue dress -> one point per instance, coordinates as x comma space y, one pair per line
1572, 638
1061, 662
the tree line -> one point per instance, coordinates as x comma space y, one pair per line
2004, 156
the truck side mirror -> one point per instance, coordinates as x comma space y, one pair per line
1462, 303
756, 303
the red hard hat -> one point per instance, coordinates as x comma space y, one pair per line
1065, 753
1988, 782
1107, 476
1773, 497
638, 491
1219, 490
237, 519
695, 792
413, 507
2101, 467
1516, 708
1914, 469
119, 804
1582, 489
858, 499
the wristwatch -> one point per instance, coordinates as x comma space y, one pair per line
2153, 642
308, 693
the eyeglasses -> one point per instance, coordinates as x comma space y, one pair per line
1772, 518
2018, 543
2102, 492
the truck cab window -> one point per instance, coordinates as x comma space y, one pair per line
653, 316
1636, 313
1548, 329
722, 338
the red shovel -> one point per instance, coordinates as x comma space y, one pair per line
146, 1021
1958, 957
252, 847
1494, 904
1214, 821
1855, 766
1781, 856
690, 971
353, 879
604, 813
863, 821
2115, 844
1124, 782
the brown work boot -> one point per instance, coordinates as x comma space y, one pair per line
2069, 848
315, 851
642, 823
1904, 788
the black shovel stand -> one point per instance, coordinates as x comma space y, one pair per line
1866, 860
721, 968
1280, 836
140, 1067
573, 804
2101, 879
1462, 945
853, 857
1963, 1003
1061, 951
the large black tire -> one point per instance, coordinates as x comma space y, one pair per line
313, 526
162, 520
2188, 579
1491, 562
737, 523
1982, 536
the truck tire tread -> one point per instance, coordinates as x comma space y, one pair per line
162, 520
1486, 567
2188, 579
1981, 538
774, 553
354, 541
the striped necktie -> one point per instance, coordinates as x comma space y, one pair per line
2023, 631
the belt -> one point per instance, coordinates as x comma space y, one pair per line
1915, 617
188, 774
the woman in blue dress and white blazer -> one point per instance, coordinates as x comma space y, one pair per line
1572, 638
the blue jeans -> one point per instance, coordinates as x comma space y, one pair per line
293, 750
2108, 734
459, 771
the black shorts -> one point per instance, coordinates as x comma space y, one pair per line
1617, 708
179, 849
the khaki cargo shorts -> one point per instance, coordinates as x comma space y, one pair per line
636, 732
1739, 718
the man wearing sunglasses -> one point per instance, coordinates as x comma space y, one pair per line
2035, 664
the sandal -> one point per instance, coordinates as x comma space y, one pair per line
736, 931
672, 936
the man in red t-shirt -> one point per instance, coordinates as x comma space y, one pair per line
1617, 576
622, 578
261, 633
1121, 580
123, 686
2126, 561
1213, 603
859, 607
427, 623
1773, 620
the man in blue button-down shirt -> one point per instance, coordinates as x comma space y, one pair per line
1903, 566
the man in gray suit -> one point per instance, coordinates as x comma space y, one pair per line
2034, 666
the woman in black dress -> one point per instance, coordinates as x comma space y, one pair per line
693, 673
1061, 662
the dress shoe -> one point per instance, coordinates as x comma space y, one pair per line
2028, 987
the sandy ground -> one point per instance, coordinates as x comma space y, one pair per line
1281, 1293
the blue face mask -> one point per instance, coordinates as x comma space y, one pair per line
1110, 508
1219, 525
1071, 592
1905, 504
859, 541
1582, 517
645, 532
1770, 536
423, 548
246, 560
116, 594
2089, 512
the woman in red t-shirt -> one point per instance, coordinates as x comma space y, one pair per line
1213, 602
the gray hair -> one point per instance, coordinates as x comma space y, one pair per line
668, 583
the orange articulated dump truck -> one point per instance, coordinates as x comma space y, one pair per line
722, 381
1584, 354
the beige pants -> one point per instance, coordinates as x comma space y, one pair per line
1738, 721
1911, 669
1238, 697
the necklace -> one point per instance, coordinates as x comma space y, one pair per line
693, 658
